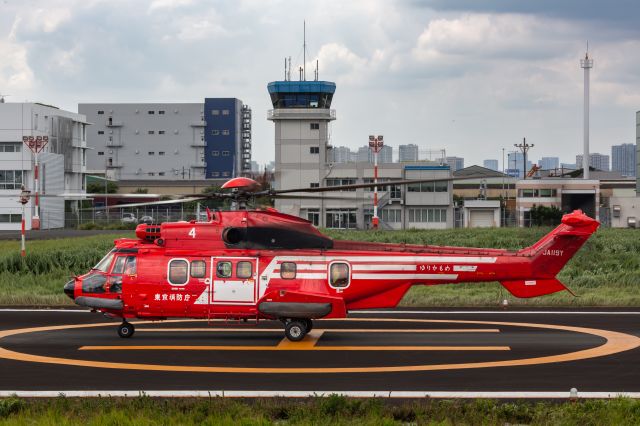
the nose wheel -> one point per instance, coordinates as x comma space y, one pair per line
126, 330
296, 329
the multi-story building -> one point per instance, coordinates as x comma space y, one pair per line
61, 163
301, 114
365, 155
340, 154
596, 160
408, 153
623, 159
455, 163
638, 153
549, 163
169, 141
515, 164
491, 164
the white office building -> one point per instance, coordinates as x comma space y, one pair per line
62, 162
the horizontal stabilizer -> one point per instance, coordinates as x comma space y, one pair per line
533, 288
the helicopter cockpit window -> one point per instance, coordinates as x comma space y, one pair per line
178, 272
198, 269
339, 275
118, 267
103, 265
224, 270
287, 270
244, 269
130, 266
94, 283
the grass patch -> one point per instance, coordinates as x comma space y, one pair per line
332, 410
605, 272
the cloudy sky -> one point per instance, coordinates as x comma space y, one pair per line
469, 76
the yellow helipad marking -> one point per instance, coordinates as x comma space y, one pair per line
615, 342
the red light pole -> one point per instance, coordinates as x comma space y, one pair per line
376, 144
24, 199
36, 144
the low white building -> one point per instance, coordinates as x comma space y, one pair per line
482, 213
62, 161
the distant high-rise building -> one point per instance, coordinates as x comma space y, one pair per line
340, 154
385, 155
549, 163
365, 155
491, 164
623, 159
455, 163
597, 161
407, 153
515, 164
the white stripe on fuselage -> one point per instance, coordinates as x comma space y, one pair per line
404, 276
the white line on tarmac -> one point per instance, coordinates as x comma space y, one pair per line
305, 394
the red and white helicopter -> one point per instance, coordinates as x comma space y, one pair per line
252, 264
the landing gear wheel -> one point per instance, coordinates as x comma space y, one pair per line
309, 324
126, 330
295, 330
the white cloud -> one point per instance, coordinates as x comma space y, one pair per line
168, 4
15, 74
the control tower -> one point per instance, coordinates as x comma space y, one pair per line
301, 114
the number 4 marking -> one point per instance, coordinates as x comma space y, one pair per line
192, 233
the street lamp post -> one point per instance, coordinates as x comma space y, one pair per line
376, 144
524, 147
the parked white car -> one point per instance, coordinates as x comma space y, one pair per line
128, 218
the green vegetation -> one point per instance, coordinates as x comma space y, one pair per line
605, 272
98, 187
332, 410
545, 216
38, 278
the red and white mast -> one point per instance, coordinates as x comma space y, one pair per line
376, 144
36, 144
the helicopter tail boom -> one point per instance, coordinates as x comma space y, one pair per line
549, 255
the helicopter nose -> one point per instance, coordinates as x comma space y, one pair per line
69, 288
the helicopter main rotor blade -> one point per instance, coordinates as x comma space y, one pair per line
150, 203
318, 197
362, 185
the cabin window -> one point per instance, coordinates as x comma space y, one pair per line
287, 270
224, 270
118, 267
339, 275
130, 266
178, 272
244, 269
198, 269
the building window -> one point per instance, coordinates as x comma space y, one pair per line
101, 132
314, 150
161, 112
10, 147
11, 218
225, 153
161, 132
226, 174
535, 193
151, 132
225, 112
314, 185
151, 174
178, 272
215, 174
341, 218
391, 215
340, 182
160, 173
434, 186
100, 152
427, 215
160, 152
100, 112
287, 270
215, 153
10, 179
152, 153
215, 112
313, 216
151, 112
315, 126
225, 132
339, 276
215, 132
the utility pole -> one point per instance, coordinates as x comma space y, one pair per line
376, 144
524, 147
586, 64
